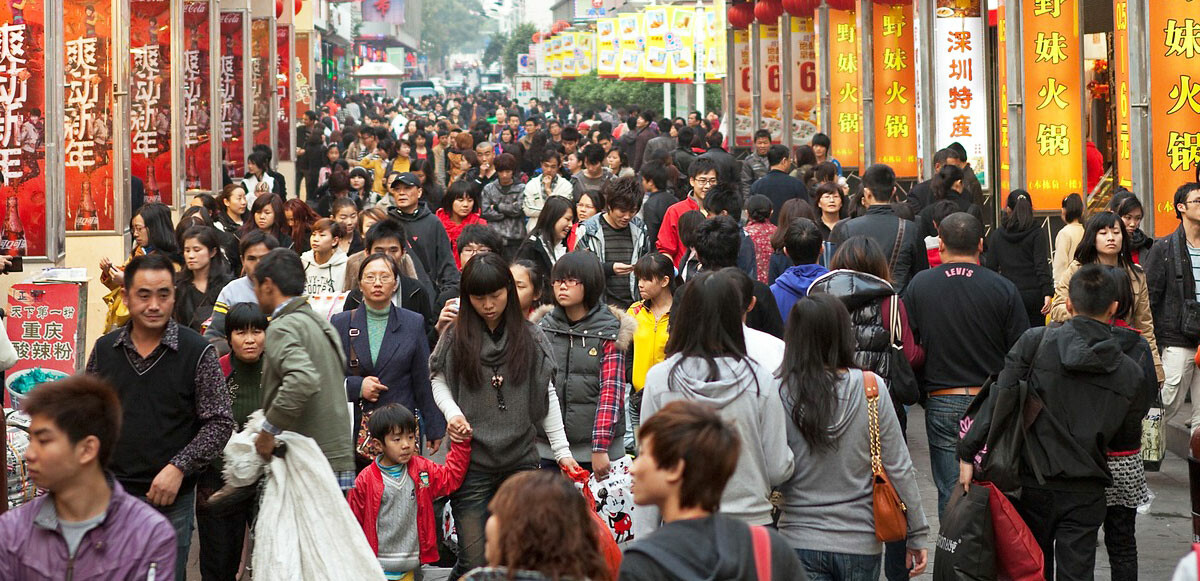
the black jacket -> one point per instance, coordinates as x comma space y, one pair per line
1166, 297
653, 211
1023, 258
1089, 387
431, 245
729, 169
534, 250
712, 547
881, 224
779, 187
683, 159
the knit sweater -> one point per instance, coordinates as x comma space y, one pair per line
376, 328
245, 386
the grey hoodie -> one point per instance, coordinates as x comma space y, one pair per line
746, 395
827, 504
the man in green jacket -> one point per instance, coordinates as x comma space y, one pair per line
303, 370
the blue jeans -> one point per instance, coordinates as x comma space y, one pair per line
830, 566
469, 504
942, 415
181, 513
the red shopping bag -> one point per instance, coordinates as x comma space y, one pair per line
1018, 555
608, 546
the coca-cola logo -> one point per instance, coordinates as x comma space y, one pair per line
231, 18
195, 7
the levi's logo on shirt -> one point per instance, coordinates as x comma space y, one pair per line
960, 271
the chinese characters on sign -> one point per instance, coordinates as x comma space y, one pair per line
961, 84
22, 129
283, 88
44, 321
743, 122
1054, 146
261, 84
88, 124
1120, 72
196, 98
1174, 31
150, 93
895, 89
845, 105
233, 40
806, 96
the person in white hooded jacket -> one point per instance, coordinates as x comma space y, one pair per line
325, 263
707, 362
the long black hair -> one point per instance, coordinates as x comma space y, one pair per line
1019, 217
159, 229
943, 181
277, 228
718, 334
818, 342
552, 210
218, 268
1087, 253
485, 274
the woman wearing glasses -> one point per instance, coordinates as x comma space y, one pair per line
589, 340
388, 355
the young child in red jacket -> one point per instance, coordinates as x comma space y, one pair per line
397, 491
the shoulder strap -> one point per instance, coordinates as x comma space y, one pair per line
872, 390
895, 328
355, 364
762, 551
896, 246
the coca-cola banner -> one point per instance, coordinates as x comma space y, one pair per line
261, 86
88, 92
283, 97
197, 116
23, 129
233, 70
303, 85
150, 93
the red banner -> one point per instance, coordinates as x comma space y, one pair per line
260, 80
304, 79
22, 134
150, 91
43, 323
283, 91
197, 116
88, 135
233, 69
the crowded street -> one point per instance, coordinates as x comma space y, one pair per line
600, 290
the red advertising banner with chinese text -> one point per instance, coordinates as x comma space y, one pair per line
22, 134
1002, 93
197, 117
845, 108
150, 93
88, 123
233, 70
283, 91
1174, 27
304, 88
44, 322
261, 85
1054, 132
1120, 73
895, 89
743, 121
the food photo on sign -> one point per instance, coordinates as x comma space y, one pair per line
22, 133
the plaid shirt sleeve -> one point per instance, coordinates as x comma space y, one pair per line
612, 394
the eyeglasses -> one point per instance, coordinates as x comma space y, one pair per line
705, 181
1196, 201
567, 282
382, 279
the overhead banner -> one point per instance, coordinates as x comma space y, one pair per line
633, 47
197, 121
681, 64
715, 51
895, 82
233, 70
261, 84
1174, 27
770, 81
1054, 132
806, 94
150, 89
961, 108
606, 47
1002, 93
88, 136
657, 30
743, 119
845, 105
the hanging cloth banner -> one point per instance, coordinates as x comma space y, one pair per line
150, 89
680, 45
1174, 48
743, 115
806, 95
1054, 131
770, 81
895, 81
845, 105
88, 93
197, 102
233, 70
606, 36
633, 47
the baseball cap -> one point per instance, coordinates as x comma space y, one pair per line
406, 178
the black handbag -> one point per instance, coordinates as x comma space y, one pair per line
966, 544
901, 379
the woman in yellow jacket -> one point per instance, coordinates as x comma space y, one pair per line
1105, 241
656, 284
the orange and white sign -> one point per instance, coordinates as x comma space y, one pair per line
743, 120
806, 95
1054, 132
770, 81
1174, 48
961, 110
895, 87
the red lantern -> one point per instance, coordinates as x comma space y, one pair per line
842, 4
741, 15
299, 5
537, 37
559, 26
801, 8
768, 11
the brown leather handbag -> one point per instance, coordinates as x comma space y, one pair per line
891, 520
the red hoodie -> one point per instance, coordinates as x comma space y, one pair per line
453, 230
430, 479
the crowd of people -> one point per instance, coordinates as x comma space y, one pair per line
540, 291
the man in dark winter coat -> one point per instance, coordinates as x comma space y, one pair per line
883, 225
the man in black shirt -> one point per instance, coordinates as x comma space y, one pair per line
882, 225
658, 197
967, 318
777, 185
717, 243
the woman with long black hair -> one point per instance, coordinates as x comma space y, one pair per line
1019, 249
205, 273
1126, 205
548, 241
827, 508
267, 214
492, 374
153, 232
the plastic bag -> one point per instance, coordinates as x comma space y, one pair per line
614, 500
1154, 436
20, 486
966, 547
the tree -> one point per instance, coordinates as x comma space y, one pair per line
518, 43
495, 49
592, 92
450, 25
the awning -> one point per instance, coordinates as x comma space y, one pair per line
378, 70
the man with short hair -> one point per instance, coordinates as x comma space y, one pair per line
703, 177
755, 165
778, 185
426, 235
618, 238
86, 524
724, 200
972, 189
176, 411
683, 154
823, 148
802, 245
658, 198
387, 237
688, 454
968, 317
569, 138
661, 144
254, 245
501, 205
594, 175
303, 369
1093, 403
728, 167
717, 244
485, 173
899, 239
921, 195
693, 119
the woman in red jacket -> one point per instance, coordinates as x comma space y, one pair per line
460, 208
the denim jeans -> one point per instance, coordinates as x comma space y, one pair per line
942, 415
1120, 540
830, 566
182, 514
469, 504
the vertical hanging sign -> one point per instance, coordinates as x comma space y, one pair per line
88, 121
680, 45
806, 96
283, 91
961, 84
196, 98
633, 47
895, 89
1174, 27
261, 84
743, 120
845, 107
303, 70
770, 79
606, 35
232, 73
1002, 92
655, 22
1054, 142
22, 135
715, 50
150, 92
1120, 71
